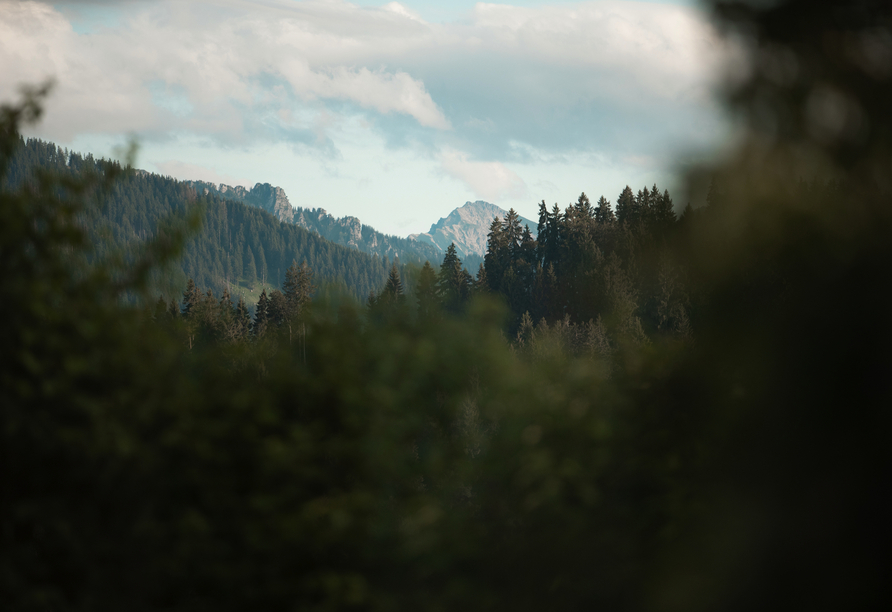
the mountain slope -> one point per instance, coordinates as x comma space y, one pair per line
347, 231
239, 247
467, 227
350, 231
263, 195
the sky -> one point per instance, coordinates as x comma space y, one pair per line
395, 113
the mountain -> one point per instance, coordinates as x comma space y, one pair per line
347, 231
240, 245
350, 231
263, 195
467, 227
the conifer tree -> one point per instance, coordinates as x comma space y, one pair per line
393, 289
584, 207
426, 291
513, 233
242, 323
555, 237
453, 281
525, 331
304, 287
663, 214
543, 231
277, 308
604, 213
191, 298
225, 315
261, 315
527, 254
626, 207
481, 284
643, 203
496, 258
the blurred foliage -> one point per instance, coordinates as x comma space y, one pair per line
390, 462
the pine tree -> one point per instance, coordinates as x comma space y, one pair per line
496, 258
626, 207
191, 298
393, 289
643, 202
604, 213
453, 281
304, 288
426, 291
663, 213
481, 284
513, 233
277, 308
242, 323
525, 331
528, 247
584, 207
555, 237
261, 315
225, 315
543, 232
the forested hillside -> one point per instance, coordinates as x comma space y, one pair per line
237, 247
347, 231
632, 412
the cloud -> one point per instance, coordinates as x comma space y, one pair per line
622, 78
194, 172
491, 181
229, 68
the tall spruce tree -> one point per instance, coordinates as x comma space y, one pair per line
426, 292
453, 282
191, 298
242, 323
584, 207
626, 207
604, 213
497, 256
261, 315
393, 288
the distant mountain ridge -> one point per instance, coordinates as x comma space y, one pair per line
238, 247
347, 231
467, 227
262, 195
350, 231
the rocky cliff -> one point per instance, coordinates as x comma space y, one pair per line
350, 231
262, 195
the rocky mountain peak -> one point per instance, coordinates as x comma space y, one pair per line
467, 226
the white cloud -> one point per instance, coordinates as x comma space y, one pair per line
491, 181
551, 86
227, 63
185, 171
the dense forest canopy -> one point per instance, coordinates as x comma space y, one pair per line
238, 248
635, 412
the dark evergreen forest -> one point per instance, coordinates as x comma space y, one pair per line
635, 412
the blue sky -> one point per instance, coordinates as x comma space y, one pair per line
392, 112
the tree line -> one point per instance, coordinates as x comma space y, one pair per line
237, 248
